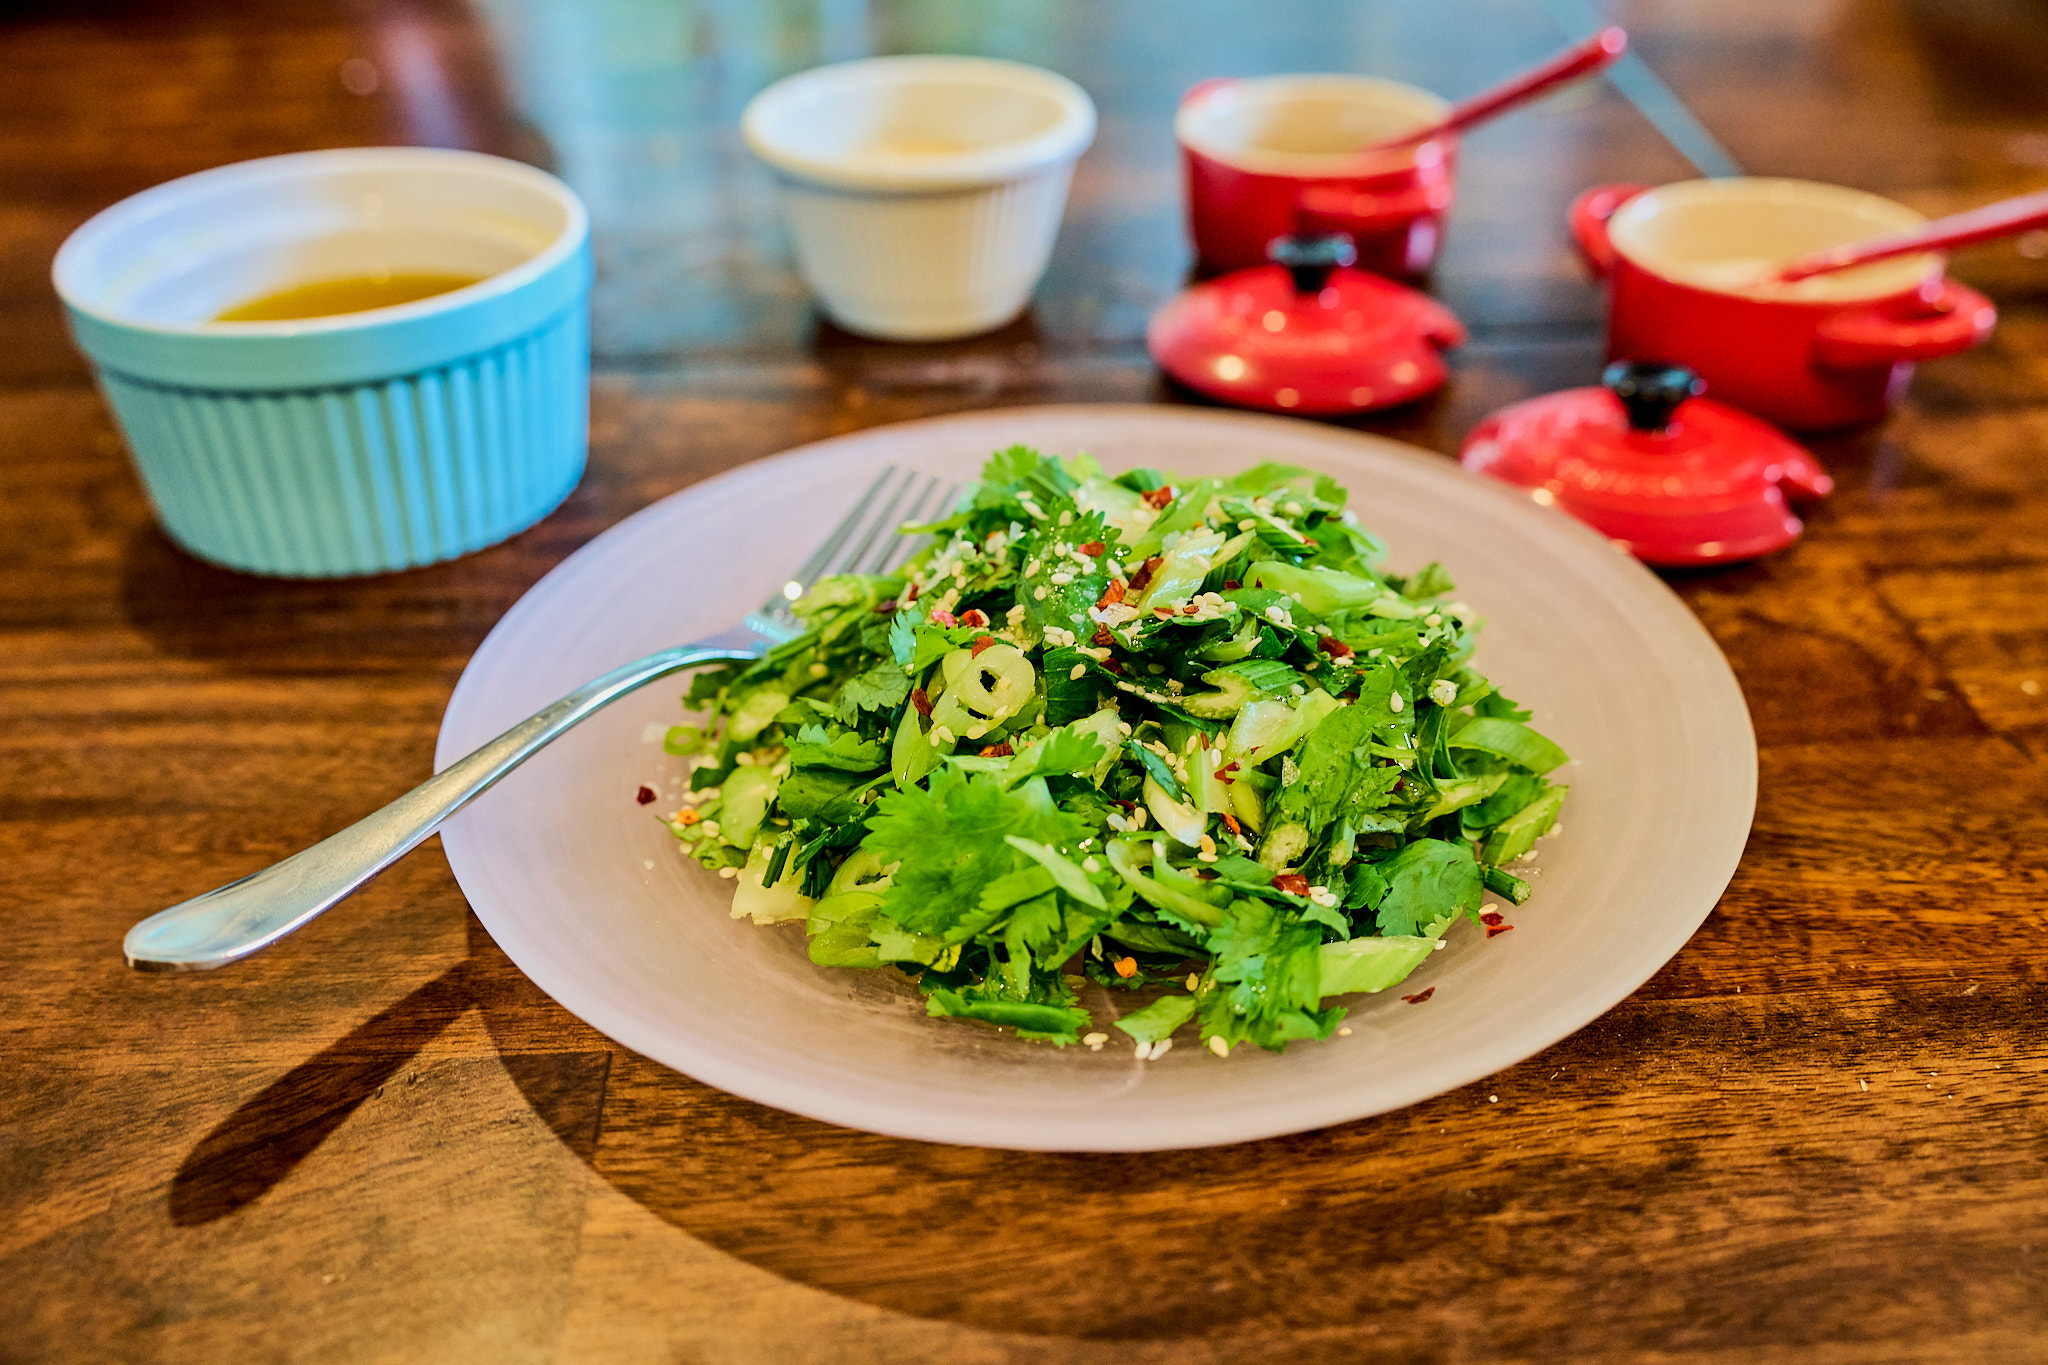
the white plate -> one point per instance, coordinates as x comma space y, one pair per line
588, 895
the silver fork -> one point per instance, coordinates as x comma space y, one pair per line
244, 916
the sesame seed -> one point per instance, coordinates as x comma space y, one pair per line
1219, 1047
1038, 594
1060, 580
1194, 978
1394, 702
1160, 1049
1077, 672
728, 872
817, 670
1493, 1099
1344, 1032
1091, 864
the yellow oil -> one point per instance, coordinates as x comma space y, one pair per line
356, 294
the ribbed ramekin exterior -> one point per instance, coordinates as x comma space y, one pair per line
366, 478
922, 266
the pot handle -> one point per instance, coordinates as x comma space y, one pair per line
1950, 318
1804, 480
1588, 217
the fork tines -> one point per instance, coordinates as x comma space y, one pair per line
866, 540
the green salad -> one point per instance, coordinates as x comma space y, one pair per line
1184, 736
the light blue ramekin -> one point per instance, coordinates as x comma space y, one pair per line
359, 443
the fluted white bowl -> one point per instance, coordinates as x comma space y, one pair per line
923, 193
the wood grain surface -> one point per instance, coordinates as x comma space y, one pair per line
1818, 1135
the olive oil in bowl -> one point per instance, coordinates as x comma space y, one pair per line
356, 294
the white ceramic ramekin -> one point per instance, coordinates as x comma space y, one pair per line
358, 443
924, 193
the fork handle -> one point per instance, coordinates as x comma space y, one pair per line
236, 920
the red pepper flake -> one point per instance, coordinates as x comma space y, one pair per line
1126, 967
1113, 666
1159, 497
922, 702
1224, 775
1231, 585
1143, 576
1189, 610
974, 616
1420, 996
1230, 823
687, 816
1163, 613
1001, 750
982, 642
1102, 639
1092, 548
1293, 883
1123, 805
885, 606
1492, 917
1112, 594
1334, 647
1203, 874
910, 594
1493, 929
945, 618
645, 796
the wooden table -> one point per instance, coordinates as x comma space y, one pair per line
1816, 1136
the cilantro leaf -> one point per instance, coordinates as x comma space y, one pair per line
883, 687
948, 843
1429, 879
845, 751
1270, 973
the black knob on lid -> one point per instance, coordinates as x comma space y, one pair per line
1311, 256
1651, 392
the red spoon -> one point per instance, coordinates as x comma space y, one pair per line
1595, 54
2003, 219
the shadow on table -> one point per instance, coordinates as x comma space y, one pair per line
279, 627
1312, 1230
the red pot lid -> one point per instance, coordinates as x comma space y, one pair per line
1306, 334
1676, 478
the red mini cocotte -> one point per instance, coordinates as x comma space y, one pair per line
1688, 268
